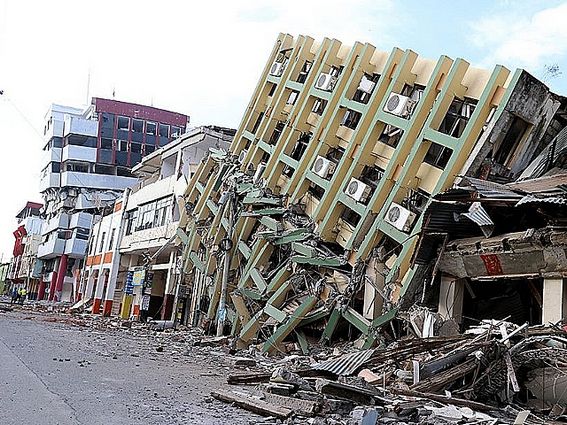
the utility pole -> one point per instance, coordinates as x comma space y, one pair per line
221, 313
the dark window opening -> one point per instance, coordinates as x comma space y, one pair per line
78, 140
301, 146
123, 172
350, 217
457, 117
151, 128
319, 106
57, 142
163, 130
101, 246
136, 147
511, 140
137, 126
413, 92
56, 167
257, 123
438, 155
371, 175
175, 131
316, 191
351, 119
79, 167
292, 97
304, 71
123, 123
415, 201
104, 169
277, 133
82, 234
335, 154
106, 144
288, 171
149, 149
391, 135
122, 146
272, 89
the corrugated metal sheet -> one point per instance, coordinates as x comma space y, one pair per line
547, 157
530, 199
488, 189
479, 215
548, 185
345, 365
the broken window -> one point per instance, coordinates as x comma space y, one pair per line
371, 175
146, 216
414, 92
304, 71
351, 119
316, 191
123, 123
319, 106
81, 233
365, 88
391, 135
288, 171
300, 146
457, 117
415, 201
438, 155
335, 154
277, 133
511, 140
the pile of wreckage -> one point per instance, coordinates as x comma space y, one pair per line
496, 372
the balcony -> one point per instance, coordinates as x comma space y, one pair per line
81, 126
54, 247
79, 153
82, 219
60, 221
50, 180
76, 248
96, 181
143, 240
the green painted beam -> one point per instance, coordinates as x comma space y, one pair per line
331, 326
302, 340
275, 313
356, 319
258, 279
272, 224
244, 249
197, 262
376, 324
289, 325
183, 236
319, 262
305, 250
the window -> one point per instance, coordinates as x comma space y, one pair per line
57, 142
146, 216
106, 144
438, 155
513, 137
101, 246
163, 130
131, 218
416, 201
56, 167
163, 211
319, 106
149, 149
123, 123
301, 145
151, 128
111, 240
365, 88
272, 89
457, 117
351, 119
304, 71
292, 98
79, 167
175, 131
137, 126
350, 217
104, 169
257, 123
123, 172
122, 145
316, 191
82, 234
76, 140
391, 135
136, 147
371, 175
276, 133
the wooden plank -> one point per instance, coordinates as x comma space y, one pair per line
252, 404
298, 405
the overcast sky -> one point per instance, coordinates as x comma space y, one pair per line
203, 58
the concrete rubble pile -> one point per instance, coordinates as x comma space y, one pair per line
496, 372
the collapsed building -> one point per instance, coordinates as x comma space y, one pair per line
312, 226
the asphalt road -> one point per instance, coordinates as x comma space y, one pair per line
60, 373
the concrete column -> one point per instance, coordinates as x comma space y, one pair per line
41, 290
554, 300
451, 296
52, 286
373, 301
102, 277
169, 293
61, 272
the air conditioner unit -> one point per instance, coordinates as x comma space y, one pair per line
242, 155
399, 217
366, 85
323, 167
398, 104
357, 190
277, 69
326, 82
259, 171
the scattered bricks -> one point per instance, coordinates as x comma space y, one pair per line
332, 405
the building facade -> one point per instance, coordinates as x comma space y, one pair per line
338, 153
25, 268
89, 156
131, 264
